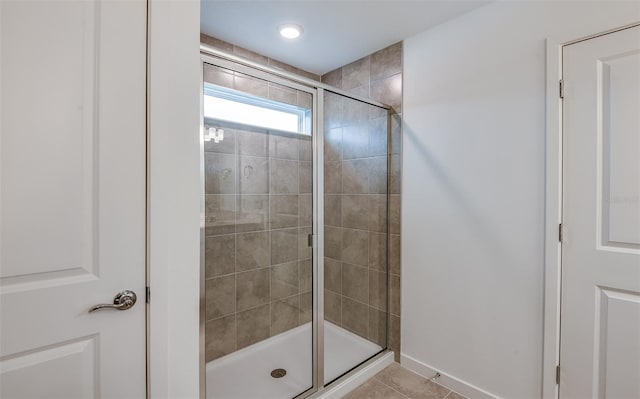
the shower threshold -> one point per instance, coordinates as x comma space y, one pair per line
246, 373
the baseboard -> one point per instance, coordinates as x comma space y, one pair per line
358, 378
463, 388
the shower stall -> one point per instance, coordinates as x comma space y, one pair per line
295, 236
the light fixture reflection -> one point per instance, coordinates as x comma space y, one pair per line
217, 135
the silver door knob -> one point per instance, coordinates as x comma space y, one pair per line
124, 300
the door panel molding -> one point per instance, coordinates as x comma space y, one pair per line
19, 371
65, 245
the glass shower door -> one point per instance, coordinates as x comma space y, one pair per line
258, 181
355, 233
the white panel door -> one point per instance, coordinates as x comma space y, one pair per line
600, 320
72, 203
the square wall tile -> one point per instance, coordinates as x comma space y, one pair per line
220, 214
333, 145
305, 148
250, 55
283, 146
333, 307
355, 176
220, 337
305, 274
378, 175
305, 207
220, 293
305, 175
396, 133
218, 76
333, 210
394, 336
378, 327
220, 255
355, 317
378, 289
252, 251
333, 275
284, 314
388, 91
252, 289
386, 62
306, 310
284, 246
356, 74
252, 143
378, 136
395, 175
394, 254
253, 175
333, 110
253, 325
284, 211
333, 78
253, 212
378, 213
220, 173
249, 84
333, 242
355, 141
355, 112
284, 176
283, 94
378, 244
333, 177
394, 214
394, 294
355, 211
355, 282
284, 280
355, 247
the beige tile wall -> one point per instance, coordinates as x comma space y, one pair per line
355, 172
377, 76
258, 215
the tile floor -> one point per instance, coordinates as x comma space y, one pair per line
396, 382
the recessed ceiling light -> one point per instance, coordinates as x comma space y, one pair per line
290, 31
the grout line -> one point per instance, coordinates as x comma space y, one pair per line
389, 386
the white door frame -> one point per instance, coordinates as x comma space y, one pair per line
553, 209
173, 198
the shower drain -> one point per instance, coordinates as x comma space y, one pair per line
278, 373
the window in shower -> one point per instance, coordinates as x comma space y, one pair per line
237, 107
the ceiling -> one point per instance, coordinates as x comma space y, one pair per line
335, 32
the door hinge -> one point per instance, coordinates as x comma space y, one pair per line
310, 240
147, 294
560, 232
561, 88
557, 375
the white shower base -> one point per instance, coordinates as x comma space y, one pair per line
246, 374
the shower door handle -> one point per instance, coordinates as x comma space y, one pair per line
124, 300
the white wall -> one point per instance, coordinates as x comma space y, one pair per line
174, 198
473, 189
